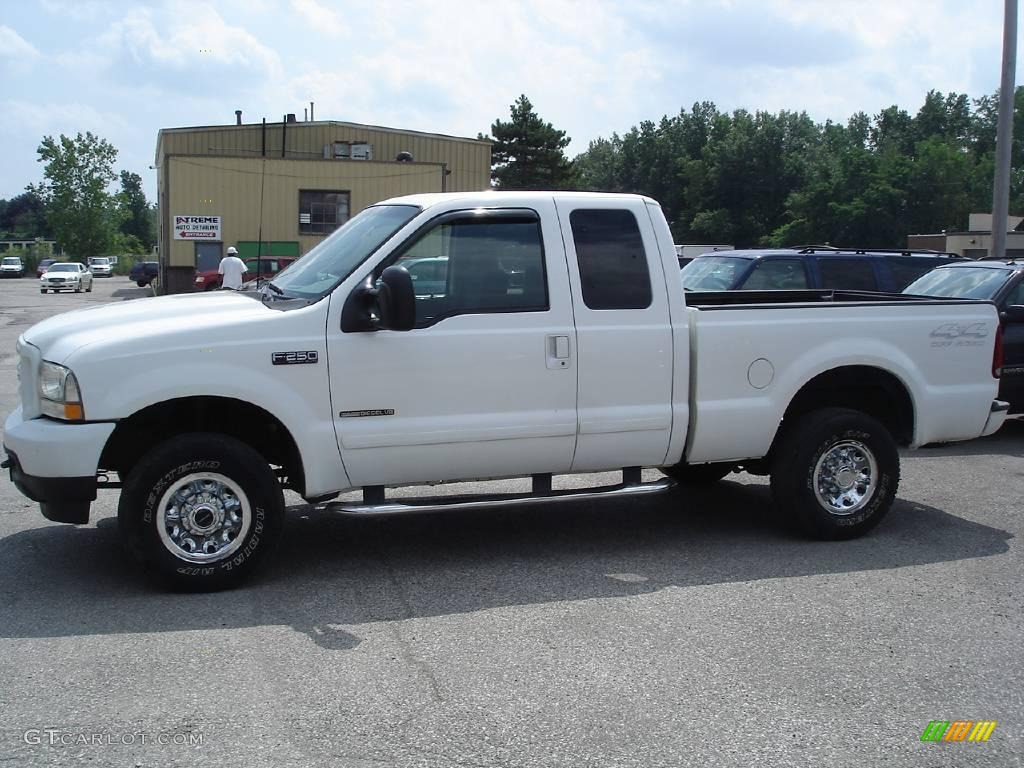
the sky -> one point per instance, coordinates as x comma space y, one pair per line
123, 70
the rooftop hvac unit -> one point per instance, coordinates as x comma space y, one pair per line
342, 150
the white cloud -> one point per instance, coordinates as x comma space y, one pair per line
14, 46
39, 118
206, 37
320, 18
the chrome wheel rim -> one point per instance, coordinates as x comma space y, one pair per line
845, 477
204, 517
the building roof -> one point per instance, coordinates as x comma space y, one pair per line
315, 123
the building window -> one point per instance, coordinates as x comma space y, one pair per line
321, 212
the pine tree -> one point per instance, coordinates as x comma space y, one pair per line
528, 153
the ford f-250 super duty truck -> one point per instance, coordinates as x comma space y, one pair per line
551, 337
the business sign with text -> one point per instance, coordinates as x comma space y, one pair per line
197, 227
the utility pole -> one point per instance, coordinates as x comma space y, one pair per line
1004, 133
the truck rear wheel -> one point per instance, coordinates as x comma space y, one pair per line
834, 473
201, 511
697, 474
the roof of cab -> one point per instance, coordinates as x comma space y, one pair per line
490, 197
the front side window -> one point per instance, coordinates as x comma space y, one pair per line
612, 260
777, 275
477, 263
321, 212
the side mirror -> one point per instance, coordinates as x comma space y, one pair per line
1013, 314
396, 300
391, 305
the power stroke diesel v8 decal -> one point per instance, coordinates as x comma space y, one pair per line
956, 335
294, 358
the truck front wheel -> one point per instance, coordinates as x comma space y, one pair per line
835, 472
201, 511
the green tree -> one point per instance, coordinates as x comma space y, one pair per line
528, 153
135, 210
79, 208
23, 217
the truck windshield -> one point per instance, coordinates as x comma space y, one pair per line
99, 260
713, 273
11, 261
960, 283
330, 262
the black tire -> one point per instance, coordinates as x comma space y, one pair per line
42, 290
697, 474
89, 289
140, 283
140, 515
79, 288
856, 439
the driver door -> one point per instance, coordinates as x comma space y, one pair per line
485, 384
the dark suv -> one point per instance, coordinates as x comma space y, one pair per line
144, 272
810, 267
1002, 282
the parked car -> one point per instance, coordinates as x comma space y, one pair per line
100, 266
44, 265
1000, 281
66, 276
12, 266
144, 272
329, 382
210, 279
810, 267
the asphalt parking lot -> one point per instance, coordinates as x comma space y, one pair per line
689, 630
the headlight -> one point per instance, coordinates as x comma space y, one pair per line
59, 394
200, 279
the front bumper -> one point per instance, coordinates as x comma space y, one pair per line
55, 463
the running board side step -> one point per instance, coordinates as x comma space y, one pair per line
498, 501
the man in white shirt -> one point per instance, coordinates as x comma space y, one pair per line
232, 268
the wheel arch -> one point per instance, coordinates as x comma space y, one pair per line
136, 435
865, 388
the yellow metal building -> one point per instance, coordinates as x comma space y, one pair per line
291, 182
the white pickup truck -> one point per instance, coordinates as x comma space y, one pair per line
451, 337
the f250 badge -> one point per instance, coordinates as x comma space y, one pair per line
294, 358
955, 335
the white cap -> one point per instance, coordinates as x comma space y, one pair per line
232, 251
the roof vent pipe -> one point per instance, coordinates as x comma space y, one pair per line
238, 117
311, 118
291, 117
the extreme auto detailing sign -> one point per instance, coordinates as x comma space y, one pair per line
197, 227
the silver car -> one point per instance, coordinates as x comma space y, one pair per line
100, 266
66, 276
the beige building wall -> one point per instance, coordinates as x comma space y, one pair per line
217, 171
468, 160
230, 188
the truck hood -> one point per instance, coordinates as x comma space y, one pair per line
144, 321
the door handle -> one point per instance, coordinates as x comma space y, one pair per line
558, 351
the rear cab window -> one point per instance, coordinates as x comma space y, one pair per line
611, 258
